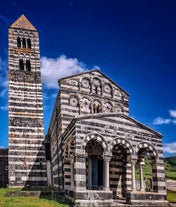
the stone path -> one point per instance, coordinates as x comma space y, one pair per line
171, 185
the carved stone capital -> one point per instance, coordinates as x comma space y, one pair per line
107, 157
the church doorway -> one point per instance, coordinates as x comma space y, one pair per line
94, 166
118, 171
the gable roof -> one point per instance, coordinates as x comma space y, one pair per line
102, 115
90, 71
23, 23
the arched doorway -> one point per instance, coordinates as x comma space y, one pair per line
117, 175
146, 167
94, 166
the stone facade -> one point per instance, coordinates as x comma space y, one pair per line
27, 165
3, 167
96, 146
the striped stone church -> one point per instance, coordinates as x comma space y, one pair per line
93, 151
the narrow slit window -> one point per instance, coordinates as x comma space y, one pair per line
18, 42
28, 65
29, 43
21, 64
24, 43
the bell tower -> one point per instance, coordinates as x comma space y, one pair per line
27, 165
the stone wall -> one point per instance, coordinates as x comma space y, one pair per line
3, 167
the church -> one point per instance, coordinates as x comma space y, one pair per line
93, 151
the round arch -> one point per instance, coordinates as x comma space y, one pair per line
149, 148
97, 137
124, 143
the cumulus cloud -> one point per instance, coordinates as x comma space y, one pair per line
54, 69
172, 113
169, 147
172, 119
160, 121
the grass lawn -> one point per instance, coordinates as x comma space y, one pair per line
171, 196
23, 201
45, 201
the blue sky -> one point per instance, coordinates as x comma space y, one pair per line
132, 42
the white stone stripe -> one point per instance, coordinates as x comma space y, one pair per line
26, 116
23, 98
28, 139
11, 82
34, 127
29, 163
29, 170
29, 156
26, 133
25, 107
26, 151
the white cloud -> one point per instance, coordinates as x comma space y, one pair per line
160, 121
4, 108
172, 113
169, 147
54, 69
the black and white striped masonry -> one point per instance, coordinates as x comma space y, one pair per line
27, 165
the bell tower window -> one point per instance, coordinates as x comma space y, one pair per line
28, 65
29, 43
18, 42
24, 43
21, 64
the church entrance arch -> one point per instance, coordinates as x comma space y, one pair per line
119, 172
147, 155
94, 165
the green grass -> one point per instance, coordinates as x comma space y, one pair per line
22, 201
171, 196
170, 168
147, 170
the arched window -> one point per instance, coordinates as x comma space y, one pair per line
24, 43
28, 65
29, 43
18, 42
97, 107
21, 64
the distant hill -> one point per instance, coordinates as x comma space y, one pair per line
170, 167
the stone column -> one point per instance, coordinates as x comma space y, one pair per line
72, 171
80, 172
107, 159
48, 167
89, 174
133, 163
159, 184
141, 165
